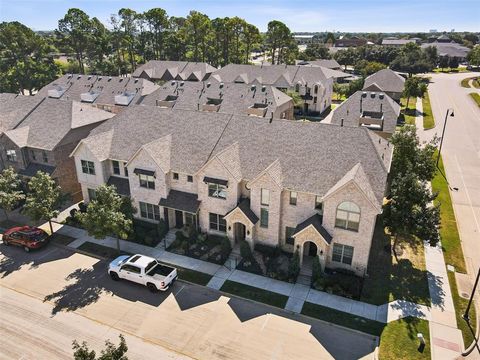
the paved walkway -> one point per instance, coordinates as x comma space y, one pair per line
297, 293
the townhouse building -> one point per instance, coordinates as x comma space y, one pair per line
232, 98
44, 135
164, 70
312, 187
314, 84
386, 81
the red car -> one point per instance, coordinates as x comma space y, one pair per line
25, 236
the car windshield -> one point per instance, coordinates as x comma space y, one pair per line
35, 235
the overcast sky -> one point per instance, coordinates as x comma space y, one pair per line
299, 15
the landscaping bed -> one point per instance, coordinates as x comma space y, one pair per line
206, 247
268, 261
101, 250
399, 340
338, 282
343, 319
256, 294
61, 239
465, 82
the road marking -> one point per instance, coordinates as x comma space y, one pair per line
466, 191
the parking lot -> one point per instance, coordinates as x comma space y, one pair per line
189, 319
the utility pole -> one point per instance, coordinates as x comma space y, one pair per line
443, 132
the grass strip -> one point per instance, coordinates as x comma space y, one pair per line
428, 119
193, 276
452, 248
399, 340
343, 319
476, 98
253, 293
460, 307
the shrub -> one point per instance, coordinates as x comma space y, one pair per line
294, 266
201, 238
188, 231
73, 212
226, 246
320, 284
179, 236
82, 207
270, 251
162, 229
245, 251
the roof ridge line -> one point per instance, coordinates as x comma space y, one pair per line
29, 113
218, 140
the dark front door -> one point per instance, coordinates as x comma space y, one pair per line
239, 232
312, 251
178, 219
165, 217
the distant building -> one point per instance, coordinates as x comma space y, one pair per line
156, 70
394, 42
354, 41
304, 39
449, 48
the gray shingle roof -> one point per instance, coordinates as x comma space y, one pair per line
244, 206
103, 88
397, 42
236, 98
351, 109
451, 49
53, 119
309, 157
316, 222
386, 80
180, 200
326, 63
276, 75
169, 70
14, 108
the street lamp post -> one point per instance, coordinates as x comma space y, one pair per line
465, 315
443, 132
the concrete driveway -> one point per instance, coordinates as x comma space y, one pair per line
191, 320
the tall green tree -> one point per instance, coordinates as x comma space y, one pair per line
279, 41
414, 87
99, 48
157, 22
198, 33
314, 52
25, 63
43, 199
10, 191
129, 28
111, 352
175, 39
412, 60
74, 29
104, 216
473, 56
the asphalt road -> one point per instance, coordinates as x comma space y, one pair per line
461, 156
50, 297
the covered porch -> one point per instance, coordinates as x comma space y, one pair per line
241, 222
180, 208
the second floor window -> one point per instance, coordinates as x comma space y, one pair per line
88, 167
348, 216
12, 155
45, 157
190, 178
289, 231
175, 176
116, 167
146, 181
125, 170
265, 197
293, 198
33, 155
217, 191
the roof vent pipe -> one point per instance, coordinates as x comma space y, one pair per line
341, 123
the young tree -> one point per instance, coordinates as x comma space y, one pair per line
104, 215
414, 87
473, 56
443, 62
10, 192
111, 352
43, 198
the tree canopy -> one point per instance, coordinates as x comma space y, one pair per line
10, 190
111, 352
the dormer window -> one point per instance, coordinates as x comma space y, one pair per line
293, 198
212, 105
168, 102
264, 197
116, 167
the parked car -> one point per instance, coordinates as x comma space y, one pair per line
26, 236
143, 270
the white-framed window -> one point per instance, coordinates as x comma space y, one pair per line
45, 156
264, 197
33, 155
12, 155
92, 194
264, 217
217, 191
146, 181
88, 167
116, 167
217, 222
149, 211
348, 216
342, 253
293, 198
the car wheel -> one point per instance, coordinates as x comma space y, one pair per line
6, 243
26, 248
152, 287
114, 276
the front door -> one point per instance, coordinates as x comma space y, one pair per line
239, 232
165, 217
178, 219
312, 251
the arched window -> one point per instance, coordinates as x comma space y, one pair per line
315, 89
348, 216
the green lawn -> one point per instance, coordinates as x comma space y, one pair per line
338, 97
465, 82
476, 83
460, 307
192, 276
399, 340
428, 120
450, 70
253, 293
61, 239
476, 98
390, 279
451, 245
409, 113
343, 319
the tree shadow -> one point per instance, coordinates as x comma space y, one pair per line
13, 258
